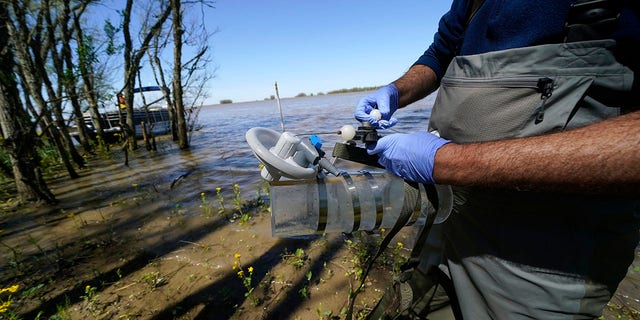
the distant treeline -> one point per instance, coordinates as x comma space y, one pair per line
302, 94
354, 89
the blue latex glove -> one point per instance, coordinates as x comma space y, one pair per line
384, 99
409, 156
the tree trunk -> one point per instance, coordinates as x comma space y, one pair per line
59, 133
70, 77
183, 139
85, 65
49, 129
147, 134
158, 73
129, 83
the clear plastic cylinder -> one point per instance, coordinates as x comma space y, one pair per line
346, 203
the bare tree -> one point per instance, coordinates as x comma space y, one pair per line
17, 129
176, 11
132, 59
158, 73
57, 32
30, 51
86, 60
192, 75
69, 73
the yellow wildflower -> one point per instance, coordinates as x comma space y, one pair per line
11, 289
237, 256
135, 185
400, 244
240, 273
218, 189
250, 269
382, 230
5, 306
202, 194
235, 185
260, 166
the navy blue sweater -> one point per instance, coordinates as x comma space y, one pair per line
506, 24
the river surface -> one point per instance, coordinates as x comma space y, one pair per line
220, 148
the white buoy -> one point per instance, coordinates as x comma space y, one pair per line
347, 132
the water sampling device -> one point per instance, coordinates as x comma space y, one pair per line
309, 195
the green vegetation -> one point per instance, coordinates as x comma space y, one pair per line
226, 101
354, 89
339, 91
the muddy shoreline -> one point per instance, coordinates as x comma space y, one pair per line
135, 243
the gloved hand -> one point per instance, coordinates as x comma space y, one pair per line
409, 156
384, 99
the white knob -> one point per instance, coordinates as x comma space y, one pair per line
347, 132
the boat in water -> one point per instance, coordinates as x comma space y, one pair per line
158, 123
155, 118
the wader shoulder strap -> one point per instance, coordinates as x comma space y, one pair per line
475, 5
587, 19
592, 19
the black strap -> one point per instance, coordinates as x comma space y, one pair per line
475, 5
592, 19
414, 258
430, 194
586, 20
400, 223
449, 288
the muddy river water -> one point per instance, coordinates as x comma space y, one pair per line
220, 148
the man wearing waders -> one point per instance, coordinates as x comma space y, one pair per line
539, 137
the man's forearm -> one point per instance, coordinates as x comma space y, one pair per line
415, 84
600, 158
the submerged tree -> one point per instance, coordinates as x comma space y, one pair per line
188, 79
50, 75
176, 11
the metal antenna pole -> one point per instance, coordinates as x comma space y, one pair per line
279, 108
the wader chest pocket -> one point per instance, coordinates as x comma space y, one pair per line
526, 91
490, 109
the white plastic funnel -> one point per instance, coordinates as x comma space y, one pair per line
276, 152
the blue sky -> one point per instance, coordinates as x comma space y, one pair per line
314, 46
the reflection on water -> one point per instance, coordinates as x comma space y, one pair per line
219, 152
